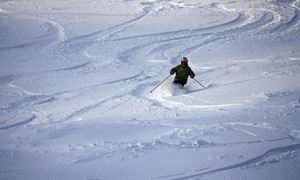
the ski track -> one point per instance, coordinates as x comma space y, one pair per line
233, 28
124, 56
125, 79
100, 103
7, 79
21, 123
265, 21
38, 98
90, 107
103, 35
24, 91
71, 68
289, 24
240, 24
270, 152
181, 132
54, 34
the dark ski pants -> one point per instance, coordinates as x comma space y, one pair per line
182, 83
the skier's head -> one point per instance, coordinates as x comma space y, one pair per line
184, 61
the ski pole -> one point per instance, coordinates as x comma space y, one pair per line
199, 83
161, 83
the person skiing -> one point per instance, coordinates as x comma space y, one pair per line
182, 72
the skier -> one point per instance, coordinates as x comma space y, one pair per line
182, 72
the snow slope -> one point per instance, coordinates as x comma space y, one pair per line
76, 76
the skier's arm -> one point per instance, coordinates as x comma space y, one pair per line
192, 74
173, 70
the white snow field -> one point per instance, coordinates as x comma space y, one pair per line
76, 76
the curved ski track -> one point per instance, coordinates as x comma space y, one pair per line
268, 153
54, 33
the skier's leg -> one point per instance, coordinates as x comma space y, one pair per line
178, 83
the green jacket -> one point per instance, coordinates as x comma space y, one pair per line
182, 73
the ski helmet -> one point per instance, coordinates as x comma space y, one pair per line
185, 59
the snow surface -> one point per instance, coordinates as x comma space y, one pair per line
76, 76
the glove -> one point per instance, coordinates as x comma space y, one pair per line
172, 72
